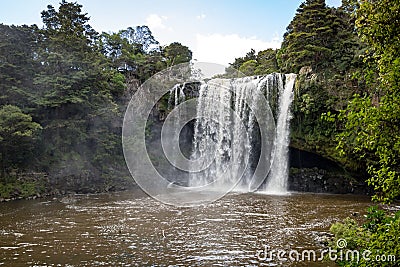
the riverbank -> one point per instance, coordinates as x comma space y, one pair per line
32, 185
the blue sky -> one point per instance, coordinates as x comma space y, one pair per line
215, 30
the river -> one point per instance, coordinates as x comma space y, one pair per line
131, 229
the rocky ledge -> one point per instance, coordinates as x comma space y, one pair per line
322, 181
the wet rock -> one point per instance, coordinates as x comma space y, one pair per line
323, 238
322, 181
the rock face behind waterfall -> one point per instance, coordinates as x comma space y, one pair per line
310, 172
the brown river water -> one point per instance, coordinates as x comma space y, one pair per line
131, 229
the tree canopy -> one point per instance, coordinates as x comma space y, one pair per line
72, 83
372, 120
18, 134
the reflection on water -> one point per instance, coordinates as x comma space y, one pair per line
132, 229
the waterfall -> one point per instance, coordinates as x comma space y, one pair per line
176, 96
277, 179
225, 131
212, 134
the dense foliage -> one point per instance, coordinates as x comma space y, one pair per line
371, 132
264, 62
63, 91
18, 134
372, 120
309, 38
376, 241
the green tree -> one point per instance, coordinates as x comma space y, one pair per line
372, 121
17, 64
371, 127
309, 37
264, 62
176, 53
70, 62
249, 67
18, 134
322, 38
241, 60
76, 88
74, 82
347, 48
141, 37
134, 52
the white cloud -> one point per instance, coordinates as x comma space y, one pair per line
155, 21
201, 16
223, 49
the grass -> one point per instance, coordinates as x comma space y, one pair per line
21, 189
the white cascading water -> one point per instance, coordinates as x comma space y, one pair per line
218, 132
277, 178
212, 138
177, 96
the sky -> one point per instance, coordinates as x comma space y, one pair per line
217, 31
